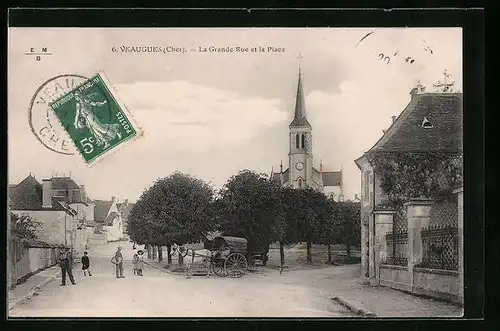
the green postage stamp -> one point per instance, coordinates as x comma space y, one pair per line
95, 119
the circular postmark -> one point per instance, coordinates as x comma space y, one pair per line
43, 121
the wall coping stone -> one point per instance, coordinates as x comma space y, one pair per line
394, 267
436, 271
387, 211
419, 202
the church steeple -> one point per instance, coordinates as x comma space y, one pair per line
300, 119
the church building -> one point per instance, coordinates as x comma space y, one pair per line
301, 172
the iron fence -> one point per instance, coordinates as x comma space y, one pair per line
397, 248
440, 247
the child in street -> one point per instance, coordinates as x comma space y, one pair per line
86, 264
140, 262
135, 259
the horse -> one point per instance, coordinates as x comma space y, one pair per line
205, 254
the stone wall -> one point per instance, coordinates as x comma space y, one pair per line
31, 260
442, 284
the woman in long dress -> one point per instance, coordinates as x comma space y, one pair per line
140, 262
85, 118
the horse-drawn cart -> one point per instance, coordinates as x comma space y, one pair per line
224, 256
229, 256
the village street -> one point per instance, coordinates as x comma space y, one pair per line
158, 294
295, 293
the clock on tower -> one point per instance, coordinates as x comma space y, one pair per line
299, 166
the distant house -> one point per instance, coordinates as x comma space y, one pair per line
124, 209
66, 189
58, 218
108, 219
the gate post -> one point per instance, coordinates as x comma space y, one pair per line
418, 212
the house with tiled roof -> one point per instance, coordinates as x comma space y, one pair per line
30, 197
301, 172
431, 124
108, 219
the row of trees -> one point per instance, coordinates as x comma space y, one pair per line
182, 209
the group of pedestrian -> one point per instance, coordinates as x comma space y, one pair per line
66, 264
137, 262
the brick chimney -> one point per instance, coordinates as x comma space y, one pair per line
417, 90
394, 118
413, 92
113, 199
47, 193
126, 201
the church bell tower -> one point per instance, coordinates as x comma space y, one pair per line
300, 139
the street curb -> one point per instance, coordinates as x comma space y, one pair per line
35, 290
354, 307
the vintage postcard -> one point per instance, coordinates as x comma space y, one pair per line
263, 172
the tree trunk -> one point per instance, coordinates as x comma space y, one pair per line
309, 253
348, 250
160, 253
282, 253
329, 254
169, 254
154, 251
148, 247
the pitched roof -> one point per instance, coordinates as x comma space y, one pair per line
74, 191
28, 195
300, 107
442, 110
110, 218
332, 178
125, 204
60, 183
276, 176
101, 210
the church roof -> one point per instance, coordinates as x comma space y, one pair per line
332, 178
300, 119
286, 176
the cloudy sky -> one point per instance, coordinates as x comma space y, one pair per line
213, 114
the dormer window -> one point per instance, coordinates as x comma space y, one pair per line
426, 123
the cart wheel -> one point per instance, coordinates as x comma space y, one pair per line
218, 268
235, 265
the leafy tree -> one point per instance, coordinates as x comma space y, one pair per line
249, 205
306, 211
176, 209
24, 227
332, 228
351, 224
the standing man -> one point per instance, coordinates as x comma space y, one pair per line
118, 261
66, 264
